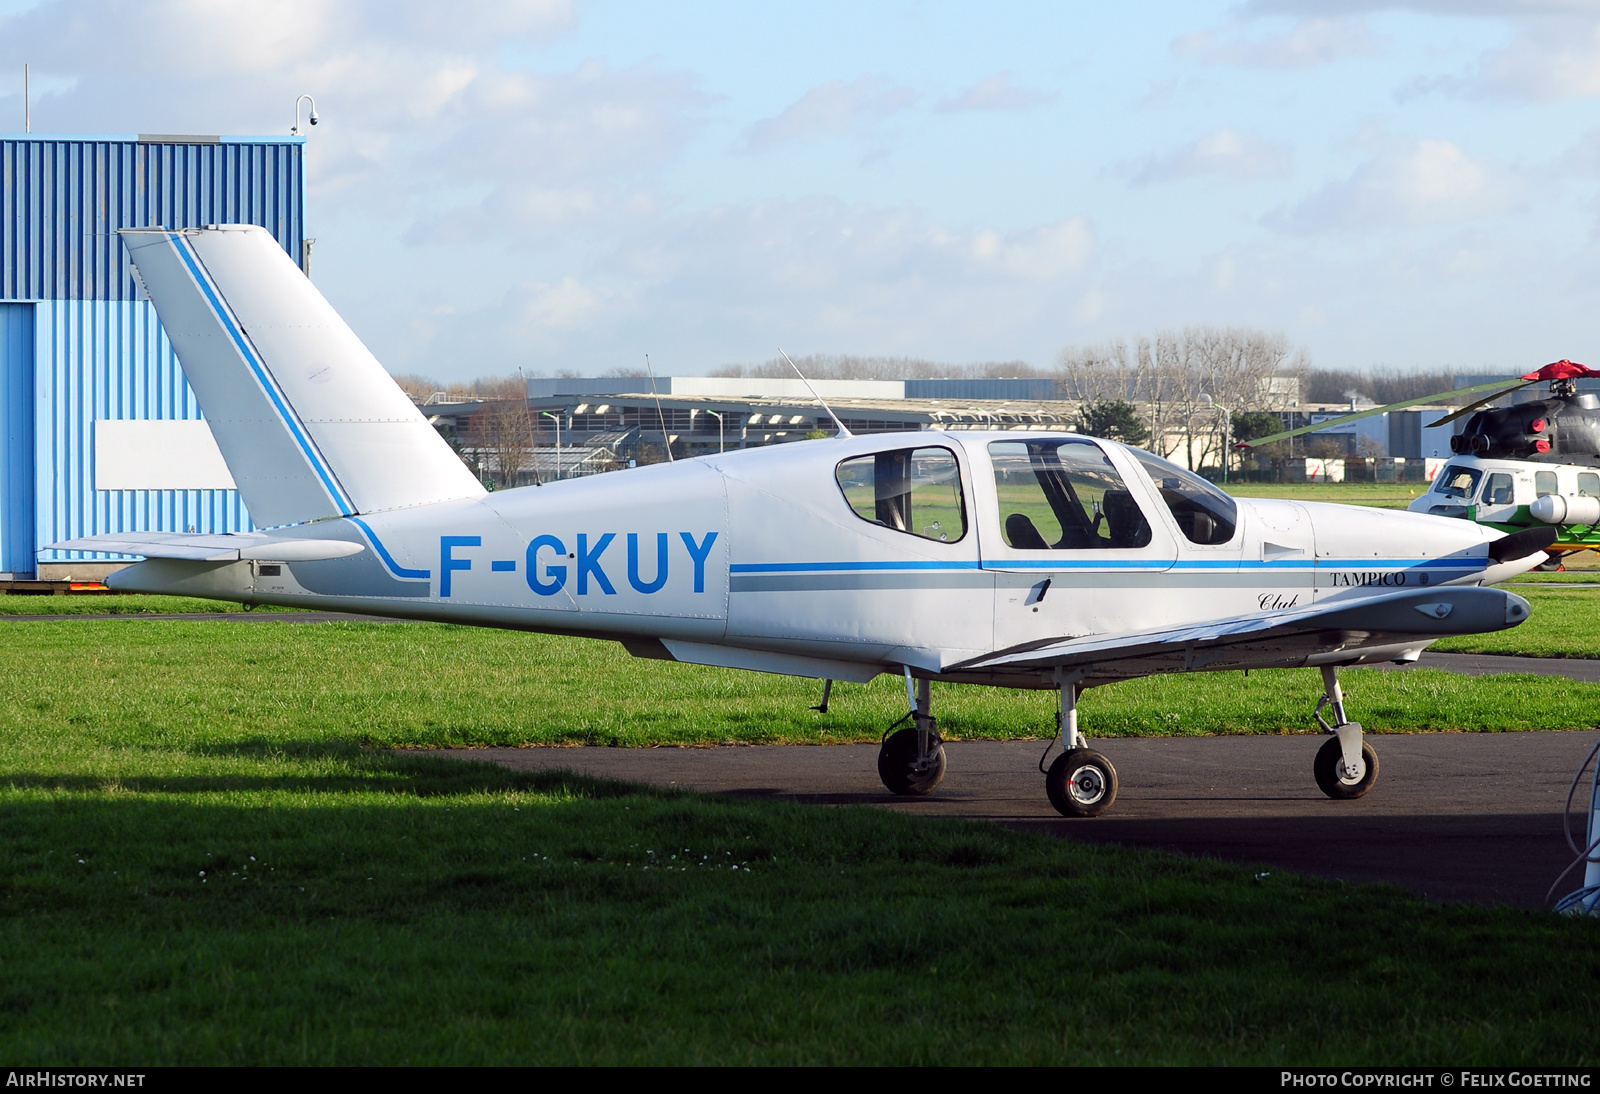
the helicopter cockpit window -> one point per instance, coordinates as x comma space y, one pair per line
1061, 495
1457, 482
1544, 482
1205, 514
1498, 490
914, 490
1588, 484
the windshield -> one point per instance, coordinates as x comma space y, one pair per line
1205, 514
1457, 482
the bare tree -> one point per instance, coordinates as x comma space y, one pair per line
502, 432
1185, 382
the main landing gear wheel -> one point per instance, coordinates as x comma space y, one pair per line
1335, 780
1081, 783
900, 769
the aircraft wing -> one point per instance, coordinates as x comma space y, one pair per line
1341, 632
221, 548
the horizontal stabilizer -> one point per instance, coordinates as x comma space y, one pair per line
308, 421
223, 548
1277, 639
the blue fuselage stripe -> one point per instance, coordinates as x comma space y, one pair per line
288, 419
383, 553
1306, 565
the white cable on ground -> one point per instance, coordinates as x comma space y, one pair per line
1586, 900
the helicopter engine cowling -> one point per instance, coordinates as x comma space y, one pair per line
1543, 430
1558, 509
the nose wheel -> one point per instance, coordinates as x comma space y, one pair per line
1346, 766
1340, 780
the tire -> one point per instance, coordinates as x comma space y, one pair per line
1081, 783
1329, 771
897, 764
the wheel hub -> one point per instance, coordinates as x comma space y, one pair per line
1351, 775
1087, 785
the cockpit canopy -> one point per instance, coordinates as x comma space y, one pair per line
1054, 494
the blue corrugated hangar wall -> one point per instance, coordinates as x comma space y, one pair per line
80, 343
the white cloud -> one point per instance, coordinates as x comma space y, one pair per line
994, 94
1039, 254
1224, 152
1550, 58
833, 107
1406, 183
563, 305
1554, 52
815, 272
1310, 42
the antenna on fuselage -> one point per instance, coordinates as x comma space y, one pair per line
843, 432
666, 441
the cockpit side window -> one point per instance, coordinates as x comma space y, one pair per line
912, 490
1498, 490
1206, 515
1059, 495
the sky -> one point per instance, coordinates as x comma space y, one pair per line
567, 185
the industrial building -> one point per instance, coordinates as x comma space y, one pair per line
102, 431
700, 414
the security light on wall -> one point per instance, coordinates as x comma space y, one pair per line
295, 130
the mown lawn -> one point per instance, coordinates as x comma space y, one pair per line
210, 853
72, 684
1565, 623
1381, 495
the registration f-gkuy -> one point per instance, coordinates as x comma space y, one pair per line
1013, 559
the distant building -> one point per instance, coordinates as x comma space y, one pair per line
698, 414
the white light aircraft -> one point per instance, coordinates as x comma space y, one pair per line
1016, 559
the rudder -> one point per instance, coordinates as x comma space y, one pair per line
310, 424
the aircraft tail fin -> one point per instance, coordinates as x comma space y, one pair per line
310, 424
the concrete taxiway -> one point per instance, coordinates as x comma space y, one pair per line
1455, 816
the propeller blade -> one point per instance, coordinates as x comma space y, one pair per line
1470, 407
1521, 544
1358, 415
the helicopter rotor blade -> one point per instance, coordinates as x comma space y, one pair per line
1358, 415
1470, 407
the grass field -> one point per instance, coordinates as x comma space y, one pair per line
1381, 495
207, 857
121, 604
1564, 623
431, 685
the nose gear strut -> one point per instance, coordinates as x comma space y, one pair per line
1346, 766
911, 760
